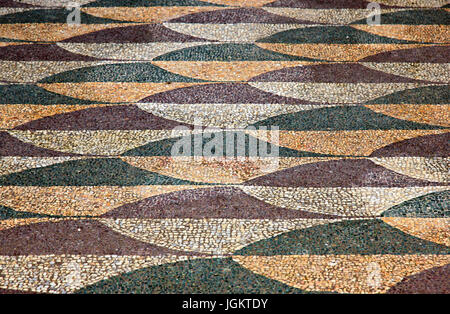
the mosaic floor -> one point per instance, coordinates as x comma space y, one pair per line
93, 200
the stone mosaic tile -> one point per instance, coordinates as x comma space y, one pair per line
94, 200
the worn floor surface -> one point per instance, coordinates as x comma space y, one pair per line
92, 199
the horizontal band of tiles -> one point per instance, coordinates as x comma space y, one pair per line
221, 3
214, 53
352, 198
233, 170
189, 92
89, 200
93, 269
256, 3
296, 271
85, 117
241, 33
374, 143
214, 71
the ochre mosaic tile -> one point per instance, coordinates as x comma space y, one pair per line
134, 142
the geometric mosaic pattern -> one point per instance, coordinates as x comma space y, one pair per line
92, 201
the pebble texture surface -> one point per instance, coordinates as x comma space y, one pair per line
92, 199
